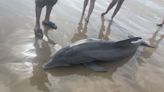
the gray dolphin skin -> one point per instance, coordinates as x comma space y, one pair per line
88, 51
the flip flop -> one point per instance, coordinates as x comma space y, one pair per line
50, 24
38, 33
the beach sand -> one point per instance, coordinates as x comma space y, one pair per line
22, 56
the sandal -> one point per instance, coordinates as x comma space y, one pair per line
39, 33
50, 24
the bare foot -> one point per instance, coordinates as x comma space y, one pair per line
86, 20
50, 24
103, 14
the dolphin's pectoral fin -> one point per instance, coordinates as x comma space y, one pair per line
127, 41
95, 67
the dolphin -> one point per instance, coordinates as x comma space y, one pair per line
90, 51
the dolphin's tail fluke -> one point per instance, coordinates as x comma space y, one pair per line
142, 43
147, 45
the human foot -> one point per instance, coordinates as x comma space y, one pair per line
103, 14
87, 20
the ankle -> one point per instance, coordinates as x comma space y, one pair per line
46, 20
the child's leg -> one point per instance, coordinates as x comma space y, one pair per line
38, 13
47, 21
119, 4
110, 7
91, 7
84, 6
38, 9
48, 12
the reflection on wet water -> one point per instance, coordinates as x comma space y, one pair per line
39, 78
81, 31
22, 55
154, 41
105, 34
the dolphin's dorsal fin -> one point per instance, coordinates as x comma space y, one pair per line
127, 41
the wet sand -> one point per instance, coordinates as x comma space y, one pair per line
22, 56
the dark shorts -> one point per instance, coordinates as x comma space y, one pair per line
42, 3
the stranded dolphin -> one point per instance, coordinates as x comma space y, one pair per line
88, 51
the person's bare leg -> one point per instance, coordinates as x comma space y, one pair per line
38, 31
109, 7
119, 4
48, 12
84, 6
47, 21
91, 7
38, 13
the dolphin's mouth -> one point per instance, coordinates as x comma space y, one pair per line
48, 65
52, 64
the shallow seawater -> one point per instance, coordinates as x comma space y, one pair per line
22, 56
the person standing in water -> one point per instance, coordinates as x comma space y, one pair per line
91, 7
111, 5
39, 4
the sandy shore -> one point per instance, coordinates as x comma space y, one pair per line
22, 56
